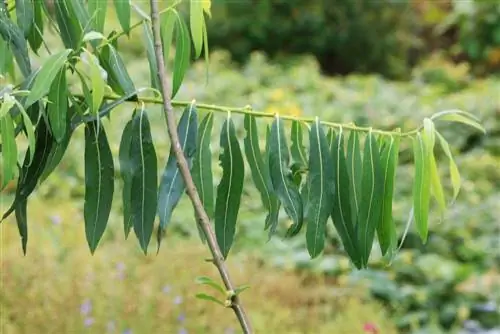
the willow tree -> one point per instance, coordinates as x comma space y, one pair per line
345, 172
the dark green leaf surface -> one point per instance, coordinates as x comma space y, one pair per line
321, 188
99, 183
202, 165
25, 15
354, 169
14, 35
370, 206
386, 230
97, 10
272, 223
260, 172
70, 29
22, 222
168, 20
9, 149
118, 77
144, 181
150, 51
57, 108
46, 76
342, 217
196, 24
35, 36
230, 187
281, 176
172, 185
122, 8
126, 175
330, 137
297, 147
182, 54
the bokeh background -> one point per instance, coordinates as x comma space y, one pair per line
381, 63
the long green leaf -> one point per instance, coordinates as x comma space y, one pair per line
260, 174
97, 10
182, 54
35, 36
271, 224
150, 51
168, 20
370, 206
172, 185
297, 147
12, 34
354, 169
454, 173
230, 187
144, 179
202, 165
46, 76
421, 186
386, 230
321, 186
122, 8
118, 77
196, 23
22, 222
69, 27
97, 84
126, 175
57, 107
281, 177
342, 217
99, 183
25, 15
9, 149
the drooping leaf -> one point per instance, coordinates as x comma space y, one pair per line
172, 185
12, 34
35, 35
354, 169
260, 171
46, 76
230, 188
342, 217
122, 8
99, 183
297, 148
202, 165
196, 24
150, 51
69, 27
386, 230
281, 177
182, 54
321, 189
57, 107
144, 179
118, 77
459, 116
22, 222
330, 137
97, 10
271, 224
25, 15
168, 20
454, 173
6, 59
9, 149
126, 175
79, 12
421, 185
370, 206
97, 83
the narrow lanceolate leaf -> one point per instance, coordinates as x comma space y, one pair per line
118, 77
70, 29
370, 206
271, 224
150, 51
168, 20
386, 230
182, 54
297, 148
25, 15
321, 189
436, 186
97, 84
260, 174
6, 58
22, 222
330, 137
126, 175
99, 183
46, 76
354, 169
206, 50
454, 173
463, 118
202, 165
342, 217
17, 42
35, 35
196, 24
57, 107
172, 185
144, 181
122, 8
281, 177
230, 187
97, 10
9, 149
421, 186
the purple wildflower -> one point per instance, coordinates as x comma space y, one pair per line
178, 300
86, 307
181, 317
166, 289
88, 322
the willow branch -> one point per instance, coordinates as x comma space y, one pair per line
204, 221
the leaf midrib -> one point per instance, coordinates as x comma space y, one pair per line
281, 169
230, 181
